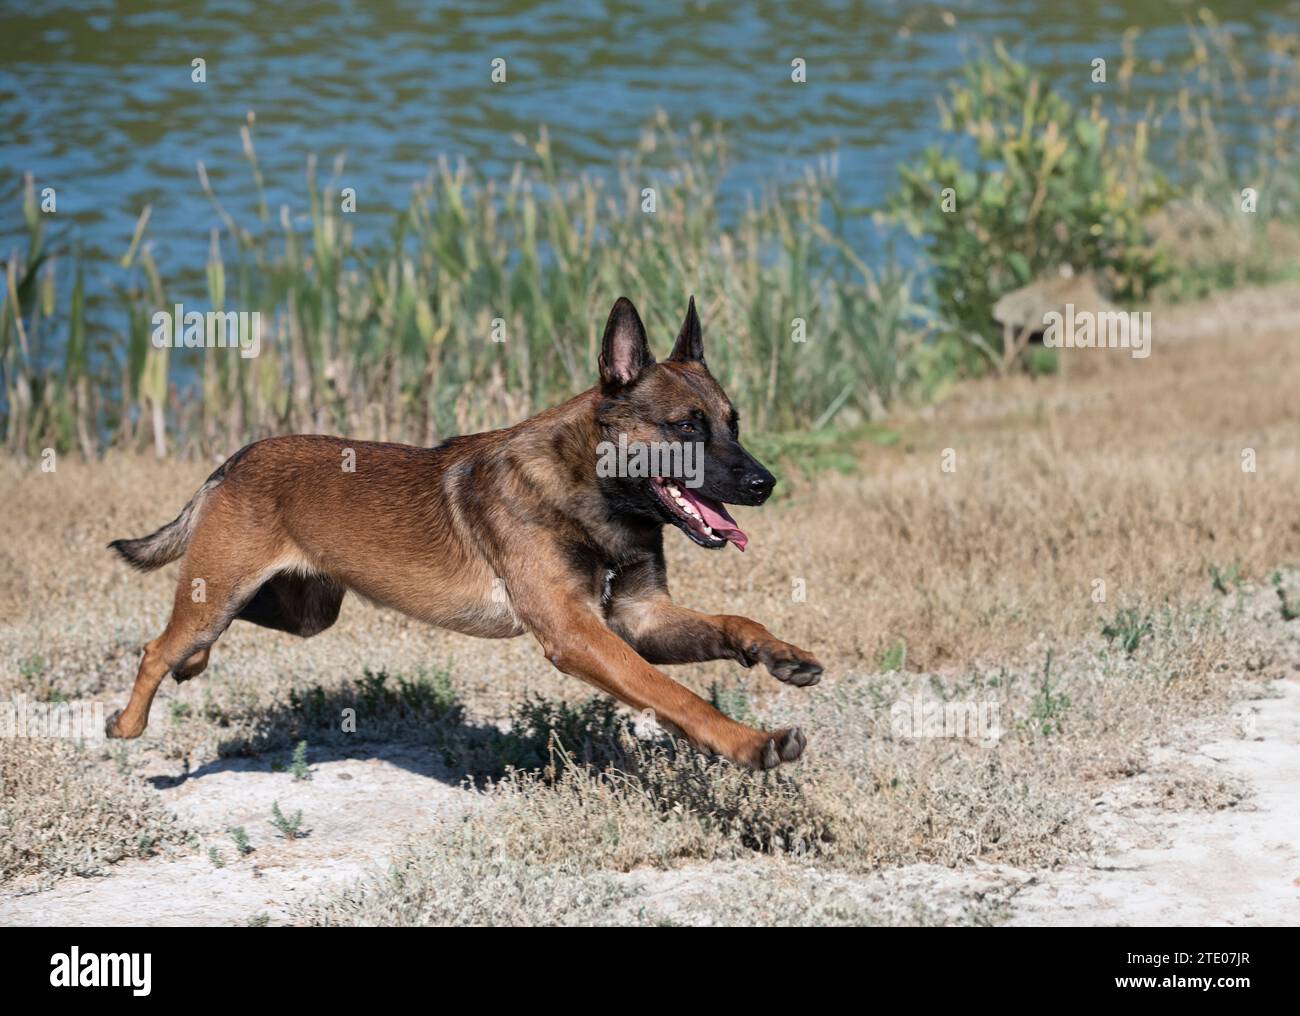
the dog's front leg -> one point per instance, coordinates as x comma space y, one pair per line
663, 632
578, 643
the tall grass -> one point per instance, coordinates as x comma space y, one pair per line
483, 305
1218, 245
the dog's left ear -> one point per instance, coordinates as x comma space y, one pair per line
690, 343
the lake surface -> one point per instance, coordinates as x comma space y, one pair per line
97, 100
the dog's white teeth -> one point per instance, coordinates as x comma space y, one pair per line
707, 530
683, 502
674, 491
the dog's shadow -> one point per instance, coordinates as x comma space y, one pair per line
416, 756
427, 735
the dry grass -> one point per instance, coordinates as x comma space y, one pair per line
60, 814
1123, 471
867, 798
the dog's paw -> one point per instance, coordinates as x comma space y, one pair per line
783, 746
761, 750
791, 664
113, 727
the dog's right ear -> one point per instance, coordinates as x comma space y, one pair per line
624, 352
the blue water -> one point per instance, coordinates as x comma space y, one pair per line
96, 98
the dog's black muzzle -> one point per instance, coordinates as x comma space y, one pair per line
737, 478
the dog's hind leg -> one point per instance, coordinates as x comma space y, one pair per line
182, 648
173, 650
218, 576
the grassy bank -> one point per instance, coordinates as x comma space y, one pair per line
483, 302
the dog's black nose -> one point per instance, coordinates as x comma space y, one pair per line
760, 484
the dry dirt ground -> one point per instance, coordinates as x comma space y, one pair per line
1147, 783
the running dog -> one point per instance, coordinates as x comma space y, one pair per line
494, 535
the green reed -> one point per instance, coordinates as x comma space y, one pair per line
482, 306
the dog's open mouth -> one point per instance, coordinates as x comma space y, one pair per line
701, 518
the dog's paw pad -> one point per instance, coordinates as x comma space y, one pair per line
799, 672
806, 674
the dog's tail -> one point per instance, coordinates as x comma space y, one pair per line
168, 543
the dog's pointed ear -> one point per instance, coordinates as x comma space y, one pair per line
624, 352
690, 343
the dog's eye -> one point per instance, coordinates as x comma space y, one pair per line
687, 427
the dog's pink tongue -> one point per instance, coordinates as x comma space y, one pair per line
717, 518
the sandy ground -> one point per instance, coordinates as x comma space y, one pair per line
1237, 866
360, 807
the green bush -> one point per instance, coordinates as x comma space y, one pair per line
1026, 184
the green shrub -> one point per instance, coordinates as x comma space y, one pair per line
1026, 183
289, 828
298, 766
1128, 629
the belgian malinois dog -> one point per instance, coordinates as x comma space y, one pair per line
494, 535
